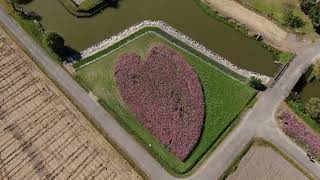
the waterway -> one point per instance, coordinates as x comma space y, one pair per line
310, 90
184, 15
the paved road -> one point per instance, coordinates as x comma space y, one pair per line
258, 122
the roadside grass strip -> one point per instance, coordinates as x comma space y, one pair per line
225, 98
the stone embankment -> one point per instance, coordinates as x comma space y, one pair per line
175, 33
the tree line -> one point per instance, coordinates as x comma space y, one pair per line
312, 9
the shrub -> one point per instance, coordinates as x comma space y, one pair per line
165, 95
313, 108
314, 14
306, 5
257, 84
53, 41
292, 20
314, 73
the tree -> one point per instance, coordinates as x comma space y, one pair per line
306, 5
313, 73
292, 20
257, 84
313, 108
314, 15
53, 41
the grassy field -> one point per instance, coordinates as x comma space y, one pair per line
225, 98
276, 9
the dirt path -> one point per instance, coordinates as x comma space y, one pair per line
271, 32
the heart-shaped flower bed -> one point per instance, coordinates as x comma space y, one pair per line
165, 95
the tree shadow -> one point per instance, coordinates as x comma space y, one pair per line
317, 28
69, 54
33, 16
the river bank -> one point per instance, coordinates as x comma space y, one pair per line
271, 32
176, 34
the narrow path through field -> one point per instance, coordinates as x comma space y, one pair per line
270, 31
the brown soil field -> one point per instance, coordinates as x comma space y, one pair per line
263, 163
42, 135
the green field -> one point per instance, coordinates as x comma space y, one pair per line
225, 98
276, 10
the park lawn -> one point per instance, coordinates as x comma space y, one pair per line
225, 98
276, 9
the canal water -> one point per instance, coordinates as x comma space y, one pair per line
184, 15
310, 90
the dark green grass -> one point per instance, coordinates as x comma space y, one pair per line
225, 98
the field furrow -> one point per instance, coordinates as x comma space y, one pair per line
42, 135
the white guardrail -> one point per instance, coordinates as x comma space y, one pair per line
180, 36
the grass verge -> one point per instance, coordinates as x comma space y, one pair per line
30, 27
222, 107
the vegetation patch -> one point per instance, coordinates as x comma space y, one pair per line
307, 109
88, 7
165, 95
278, 56
225, 97
305, 132
300, 132
285, 13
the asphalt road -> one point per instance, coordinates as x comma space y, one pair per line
258, 122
